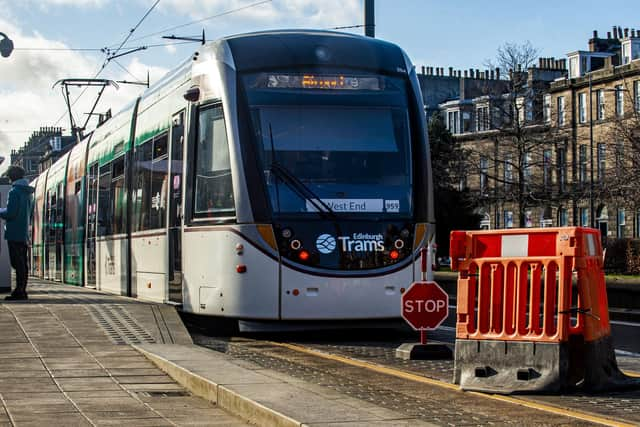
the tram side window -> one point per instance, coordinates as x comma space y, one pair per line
119, 198
150, 184
104, 201
213, 189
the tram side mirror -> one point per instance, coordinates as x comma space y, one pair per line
192, 94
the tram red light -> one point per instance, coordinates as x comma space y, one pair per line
295, 292
394, 254
303, 255
402, 290
241, 268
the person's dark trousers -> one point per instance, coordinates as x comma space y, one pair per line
19, 261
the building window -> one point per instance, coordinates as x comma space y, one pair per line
636, 95
621, 222
466, 122
584, 217
528, 219
508, 219
562, 168
560, 102
546, 109
563, 217
574, 69
508, 172
619, 101
453, 121
582, 107
626, 53
484, 169
546, 169
526, 168
600, 98
528, 110
601, 161
482, 119
583, 164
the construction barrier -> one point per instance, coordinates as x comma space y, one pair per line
532, 312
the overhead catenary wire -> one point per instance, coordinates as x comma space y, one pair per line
106, 62
197, 21
66, 49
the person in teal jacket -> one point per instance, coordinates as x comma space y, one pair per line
16, 216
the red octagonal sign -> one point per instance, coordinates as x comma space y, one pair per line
425, 305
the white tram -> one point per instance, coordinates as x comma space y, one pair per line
278, 175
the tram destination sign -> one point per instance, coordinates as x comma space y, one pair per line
425, 305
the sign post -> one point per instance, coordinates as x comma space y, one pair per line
425, 305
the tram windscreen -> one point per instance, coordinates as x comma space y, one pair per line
349, 151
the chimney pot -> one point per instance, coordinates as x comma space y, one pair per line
626, 32
615, 32
595, 34
423, 70
450, 71
497, 73
619, 32
466, 72
608, 34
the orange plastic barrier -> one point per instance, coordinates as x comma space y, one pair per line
532, 312
519, 284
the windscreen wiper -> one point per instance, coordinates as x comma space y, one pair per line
302, 190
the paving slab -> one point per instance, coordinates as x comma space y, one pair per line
63, 365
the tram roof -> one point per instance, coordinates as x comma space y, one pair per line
288, 48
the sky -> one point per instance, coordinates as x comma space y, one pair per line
459, 33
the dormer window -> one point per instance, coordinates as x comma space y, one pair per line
630, 49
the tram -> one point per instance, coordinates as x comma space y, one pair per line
280, 175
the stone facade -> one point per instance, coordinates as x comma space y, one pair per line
556, 114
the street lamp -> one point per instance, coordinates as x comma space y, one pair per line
6, 45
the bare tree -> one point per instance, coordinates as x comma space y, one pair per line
514, 158
618, 177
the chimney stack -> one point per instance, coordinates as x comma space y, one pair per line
626, 32
609, 35
595, 34
497, 73
466, 73
450, 71
615, 32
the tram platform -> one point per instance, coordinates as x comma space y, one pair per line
66, 359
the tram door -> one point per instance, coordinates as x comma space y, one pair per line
92, 218
175, 209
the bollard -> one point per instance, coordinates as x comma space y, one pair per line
523, 324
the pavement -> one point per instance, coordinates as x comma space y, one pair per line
66, 359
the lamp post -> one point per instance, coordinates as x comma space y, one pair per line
591, 201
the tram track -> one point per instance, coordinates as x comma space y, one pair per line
367, 369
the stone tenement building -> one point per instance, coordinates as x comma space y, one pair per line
538, 157
43, 148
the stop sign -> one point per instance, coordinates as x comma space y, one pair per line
425, 305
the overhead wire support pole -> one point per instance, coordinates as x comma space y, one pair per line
191, 39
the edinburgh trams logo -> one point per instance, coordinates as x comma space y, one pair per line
358, 242
326, 243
